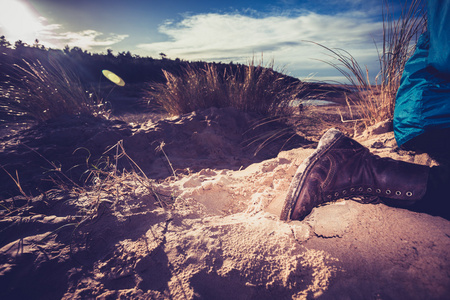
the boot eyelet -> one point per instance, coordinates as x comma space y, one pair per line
388, 192
409, 194
360, 189
398, 193
344, 192
378, 191
369, 190
329, 196
352, 190
336, 194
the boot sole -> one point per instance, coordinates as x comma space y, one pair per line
326, 142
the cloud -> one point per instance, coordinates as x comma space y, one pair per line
86, 39
236, 37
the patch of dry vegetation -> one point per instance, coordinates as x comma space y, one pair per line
376, 100
251, 88
45, 90
103, 182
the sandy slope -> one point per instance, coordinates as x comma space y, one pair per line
219, 237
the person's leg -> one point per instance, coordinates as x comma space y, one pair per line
342, 168
435, 201
436, 143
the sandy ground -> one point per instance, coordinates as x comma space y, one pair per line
214, 231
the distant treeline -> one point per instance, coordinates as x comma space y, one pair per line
88, 66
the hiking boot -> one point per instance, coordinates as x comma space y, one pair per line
342, 168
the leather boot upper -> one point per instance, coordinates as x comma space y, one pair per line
343, 168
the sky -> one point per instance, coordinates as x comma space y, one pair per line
206, 30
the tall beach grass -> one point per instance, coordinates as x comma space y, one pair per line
376, 98
42, 90
249, 88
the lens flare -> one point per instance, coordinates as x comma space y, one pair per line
113, 77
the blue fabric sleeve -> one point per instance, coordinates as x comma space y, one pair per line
423, 98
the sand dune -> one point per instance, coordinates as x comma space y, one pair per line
218, 234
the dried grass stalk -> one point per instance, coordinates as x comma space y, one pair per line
377, 100
251, 88
45, 90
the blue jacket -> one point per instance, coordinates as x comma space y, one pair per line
423, 98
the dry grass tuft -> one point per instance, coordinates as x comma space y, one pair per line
43, 91
377, 101
101, 184
251, 88
105, 180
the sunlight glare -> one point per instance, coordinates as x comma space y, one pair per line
18, 21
